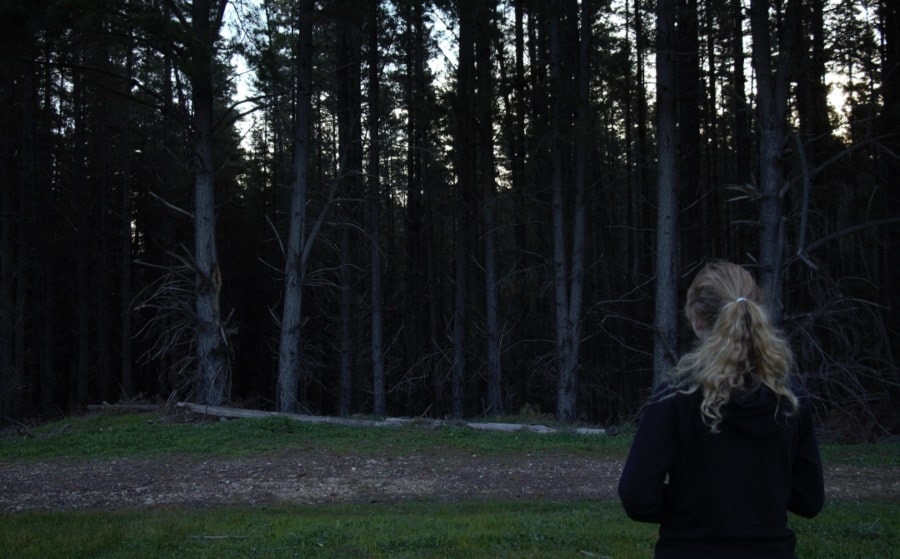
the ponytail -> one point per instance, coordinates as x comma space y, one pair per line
739, 350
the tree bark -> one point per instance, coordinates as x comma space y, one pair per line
419, 265
466, 179
666, 313
82, 232
568, 262
211, 344
694, 240
379, 403
516, 114
291, 388
125, 287
638, 193
773, 88
812, 93
889, 13
9, 392
484, 101
347, 81
741, 141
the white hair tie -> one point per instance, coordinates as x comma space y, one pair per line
739, 299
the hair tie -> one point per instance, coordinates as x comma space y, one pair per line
739, 299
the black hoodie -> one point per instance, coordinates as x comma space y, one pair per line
723, 494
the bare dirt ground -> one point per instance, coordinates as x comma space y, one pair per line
319, 477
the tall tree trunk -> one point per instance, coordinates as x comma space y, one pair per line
689, 98
211, 344
890, 81
484, 101
812, 93
520, 187
568, 262
741, 141
83, 229
566, 376
889, 124
466, 179
583, 139
125, 232
103, 283
9, 392
418, 269
345, 391
101, 113
666, 314
639, 161
773, 88
715, 15
35, 287
289, 350
379, 403
350, 149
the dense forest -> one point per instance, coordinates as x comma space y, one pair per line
444, 208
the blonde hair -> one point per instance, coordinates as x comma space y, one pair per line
740, 348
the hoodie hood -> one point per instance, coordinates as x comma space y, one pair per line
755, 413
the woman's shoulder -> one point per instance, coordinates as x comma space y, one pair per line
804, 410
669, 393
664, 390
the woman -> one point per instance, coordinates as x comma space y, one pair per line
726, 446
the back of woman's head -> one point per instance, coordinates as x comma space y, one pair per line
739, 348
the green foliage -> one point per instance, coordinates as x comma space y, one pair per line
470, 530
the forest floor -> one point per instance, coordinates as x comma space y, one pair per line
307, 477
326, 477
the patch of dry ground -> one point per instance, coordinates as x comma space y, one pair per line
319, 477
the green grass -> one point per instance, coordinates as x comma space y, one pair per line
868, 454
858, 530
146, 435
471, 530
120, 435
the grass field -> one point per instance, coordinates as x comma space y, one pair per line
120, 435
471, 530
149, 435
468, 529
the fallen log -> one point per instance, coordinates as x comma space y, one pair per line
240, 413
125, 406
512, 427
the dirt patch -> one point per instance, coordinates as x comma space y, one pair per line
317, 477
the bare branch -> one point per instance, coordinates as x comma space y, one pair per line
803, 252
170, 205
